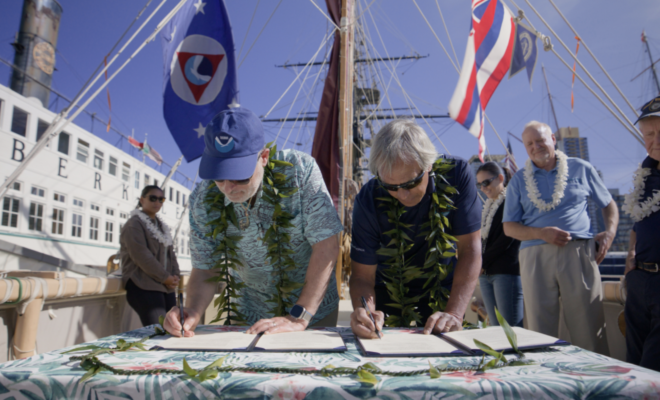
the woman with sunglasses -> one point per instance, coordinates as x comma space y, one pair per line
150, 271
500, 274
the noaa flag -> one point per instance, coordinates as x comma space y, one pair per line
525, 52
200, 72
487, 60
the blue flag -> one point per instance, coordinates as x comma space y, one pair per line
525, 52
200, 72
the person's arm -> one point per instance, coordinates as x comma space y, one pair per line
605, 238
631, 263
549, 234
319, 271
199, 294
361, 284
466, 273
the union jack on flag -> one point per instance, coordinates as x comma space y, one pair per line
487, 60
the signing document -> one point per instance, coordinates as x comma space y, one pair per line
305, 341
495, 337
210, 341
407, 343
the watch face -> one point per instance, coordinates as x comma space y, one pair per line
297, 311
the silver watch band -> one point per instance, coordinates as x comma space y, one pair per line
306, 315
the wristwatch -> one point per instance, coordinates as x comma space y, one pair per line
299, 312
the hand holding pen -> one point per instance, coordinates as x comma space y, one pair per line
362, 321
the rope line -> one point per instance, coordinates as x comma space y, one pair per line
259, 35
447, 31
325, 15
248, 28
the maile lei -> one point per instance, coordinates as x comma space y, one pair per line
560, 184
275, 188
487, 214
633, 205
164, 237
400, 272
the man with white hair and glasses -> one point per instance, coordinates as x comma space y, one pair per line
401, 266
546, 209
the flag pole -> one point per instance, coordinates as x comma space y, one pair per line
172, 171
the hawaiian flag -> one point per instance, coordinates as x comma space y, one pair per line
135, 143
510, 160
487, 60
200, 72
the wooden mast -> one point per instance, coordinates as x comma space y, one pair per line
346, 73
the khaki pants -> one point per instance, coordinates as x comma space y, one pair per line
569, 274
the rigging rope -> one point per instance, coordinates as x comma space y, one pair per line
436, 37
248, 28
595, 59
447, 31
260, 32
300, 73
325, 15
634, 132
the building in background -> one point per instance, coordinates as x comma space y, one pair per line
625, 224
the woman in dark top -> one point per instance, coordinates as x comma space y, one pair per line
500, 274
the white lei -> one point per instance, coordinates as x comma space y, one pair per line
633, 205
164, 238
487, 214
560, 183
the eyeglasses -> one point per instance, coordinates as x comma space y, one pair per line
407, 186
239, 182
485, 183
154, 199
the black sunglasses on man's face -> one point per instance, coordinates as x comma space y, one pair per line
407, 186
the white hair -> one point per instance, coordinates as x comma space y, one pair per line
401, 139
540, 127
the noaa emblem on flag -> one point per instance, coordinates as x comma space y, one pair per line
224, 144
527, 45
198, 69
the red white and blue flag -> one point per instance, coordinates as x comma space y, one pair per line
510, 160
486, 62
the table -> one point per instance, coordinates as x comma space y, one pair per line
558, 372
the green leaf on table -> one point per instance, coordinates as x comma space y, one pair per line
207, 374
433, 371
90, 373
325, 371
161, 320
88, 347
366, 377
217, 363
510, 334
189, 371
489, 350
371, 366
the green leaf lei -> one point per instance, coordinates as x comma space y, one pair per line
400, 272
277, 239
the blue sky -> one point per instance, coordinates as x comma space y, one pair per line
295, 32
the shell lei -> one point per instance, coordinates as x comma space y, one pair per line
560, 184
487, 214
633, 206
164, 238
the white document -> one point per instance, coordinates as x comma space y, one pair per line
407, 344
495, 337
310, 340
211, 341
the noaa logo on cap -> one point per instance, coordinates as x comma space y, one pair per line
198, 69
654, 106
224, 144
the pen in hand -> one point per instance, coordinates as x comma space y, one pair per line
366, 307
181, 311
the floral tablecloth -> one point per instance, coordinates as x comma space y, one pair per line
558, 373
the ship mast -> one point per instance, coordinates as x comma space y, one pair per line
648, 51
552, 106
346, 74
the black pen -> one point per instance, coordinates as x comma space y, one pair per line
366, 307
181, 311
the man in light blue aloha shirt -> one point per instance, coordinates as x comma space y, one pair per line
234, 143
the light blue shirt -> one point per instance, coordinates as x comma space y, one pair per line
314, 219
571, 214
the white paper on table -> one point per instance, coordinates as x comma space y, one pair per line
408, 344
310, 340
210, 341
495, 337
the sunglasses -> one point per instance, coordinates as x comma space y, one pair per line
240, 182
407, 186
485, 183
154, 199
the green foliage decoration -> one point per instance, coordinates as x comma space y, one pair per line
400, 271
277, 238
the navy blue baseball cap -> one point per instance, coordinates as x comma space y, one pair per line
650, 109
233, 139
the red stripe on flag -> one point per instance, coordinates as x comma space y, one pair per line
467, 103
482, 28
501, 70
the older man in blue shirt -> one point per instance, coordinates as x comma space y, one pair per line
643, 263
546, 209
